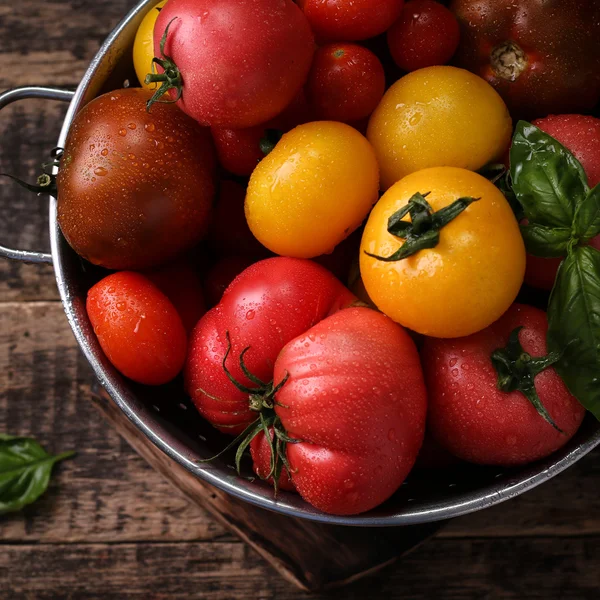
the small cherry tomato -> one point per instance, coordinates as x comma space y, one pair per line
439, 116
138, 328
426, 34
221, 275
446, 281
180, 283
313, 190
143, 46
479, 422
346, 82
344, 20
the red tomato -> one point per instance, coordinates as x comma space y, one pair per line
221, 275
180, 283
135, 189
241, 62
229, 234
269, 304
137, 327
356, 399
479, 423
346, 82
343, 20
261, 459
426, 34
240, 150
581, 135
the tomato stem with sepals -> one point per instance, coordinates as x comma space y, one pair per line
261, 400
517, 371
170, 78
46, 182
423, 230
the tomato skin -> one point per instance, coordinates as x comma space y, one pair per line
138, 328
340, 20
143, 46
293, 199
438, 116
180, 283
468, 280
581, 135
559, 41
221, 274
479, 423
346, 82
269, 304
356, 398
230, 39
120, 203
261, 459
426, 34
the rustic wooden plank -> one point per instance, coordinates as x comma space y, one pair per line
442, 569
43, 43
108, 493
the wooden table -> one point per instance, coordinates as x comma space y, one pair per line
110, 527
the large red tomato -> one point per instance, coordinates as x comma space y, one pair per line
134, 189
269, 304
478, 422
355, 398
541, 56
581, 135
235, 63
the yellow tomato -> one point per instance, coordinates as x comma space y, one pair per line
143, 46
435, 117
313, 190
466, 281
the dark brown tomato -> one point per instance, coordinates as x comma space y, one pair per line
134, 189
541, 56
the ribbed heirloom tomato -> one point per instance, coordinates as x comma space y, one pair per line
232, 63
442, 253
285, 349
313, 190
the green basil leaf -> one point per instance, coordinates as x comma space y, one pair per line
546, 241
574, 325
587, 217
547, 179
25, 469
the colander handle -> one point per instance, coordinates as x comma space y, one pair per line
6, 98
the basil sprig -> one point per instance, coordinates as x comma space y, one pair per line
25, 469
563, 214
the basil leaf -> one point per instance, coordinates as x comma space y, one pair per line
25, 469
547, 179
587, 217
545, 241
574, 325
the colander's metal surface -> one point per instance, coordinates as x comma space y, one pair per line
169, 421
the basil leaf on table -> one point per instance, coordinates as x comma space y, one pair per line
548, 242
574, 325
587, 218
25, 469
547, 179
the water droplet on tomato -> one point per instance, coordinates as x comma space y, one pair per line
131, 156
452, 362
122, 132
121, 305
104, 152
250, 315
100, 171
454, 372
132, 126
149, 127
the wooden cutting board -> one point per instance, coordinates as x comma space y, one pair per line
313, 556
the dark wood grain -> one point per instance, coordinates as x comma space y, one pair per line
112, 527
